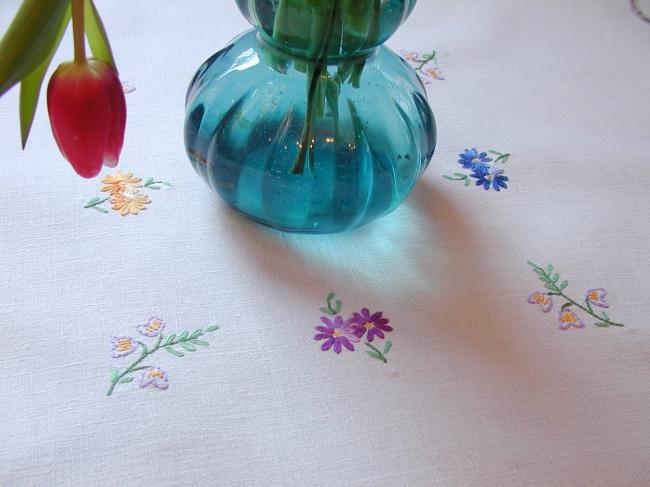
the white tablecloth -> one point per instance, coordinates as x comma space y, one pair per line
480, 387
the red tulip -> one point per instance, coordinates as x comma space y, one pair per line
87, 112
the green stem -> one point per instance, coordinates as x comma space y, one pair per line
134, 366
96, 203
586, 310
375, 349
78, 31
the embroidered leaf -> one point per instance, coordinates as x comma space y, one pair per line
601, 324
170, 339
496, 153
387, 347
549, 269
555, 278
148, 181
125, 380
468, 182
326, 311
196, 333
338, 305
565, 306
114, 374
187, 346
196, 341
183, 336
374, 355
550, 287
211, 328
563, 285
171, 350
92, 201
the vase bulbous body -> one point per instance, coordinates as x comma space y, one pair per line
306, 135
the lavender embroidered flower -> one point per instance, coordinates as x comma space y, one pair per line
597, 297
155, 376
568, 319
373, 325
121, 346
472, 159
152, 328
337, 334
542, 300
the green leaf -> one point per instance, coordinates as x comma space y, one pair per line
563, 285
196, 333
100, 209
461, 175
549, 269
169, 340
92, 201
555, 278
171, 350
166, 184
202, 343
601, 324
565, 306
374, 355
125, 380
210, 328
153, 187
148, 181
114, 373
449, 178
496, 153
338, 306
550, 287
326, 311
30, 86
96, 34
533, 265
183, 335
467, 182
387, 347
29, 39
187, 346
606, 316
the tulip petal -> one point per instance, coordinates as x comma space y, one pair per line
80, 114
118, 112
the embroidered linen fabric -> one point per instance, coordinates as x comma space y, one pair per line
493, 377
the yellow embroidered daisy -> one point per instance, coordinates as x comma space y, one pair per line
131, 201
118, 182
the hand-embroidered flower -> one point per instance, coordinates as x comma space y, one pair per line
373, 325
131, 201
121, 346
154, 375
472, 159
409, 55
434, 73
490, 177
336, 333
119, 182
542, 300
597, 297
568, 319
151, 328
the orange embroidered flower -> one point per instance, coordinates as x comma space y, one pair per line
119, 182
131, 201
542, 300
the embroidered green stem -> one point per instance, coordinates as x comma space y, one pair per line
424, 60
94, 202
330, 310
151, 184
459, 176
551, 280
376, 353
185, 340
501, 157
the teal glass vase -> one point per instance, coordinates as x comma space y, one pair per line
307, 123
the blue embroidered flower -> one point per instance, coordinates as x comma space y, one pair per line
490, 176
471, 159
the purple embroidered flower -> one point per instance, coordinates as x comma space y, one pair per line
545, 302
336, 334
568, 319
152, 328
471, 159
121, 346
597, 297
373, 324
155, 376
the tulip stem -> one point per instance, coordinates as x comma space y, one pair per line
78, 31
